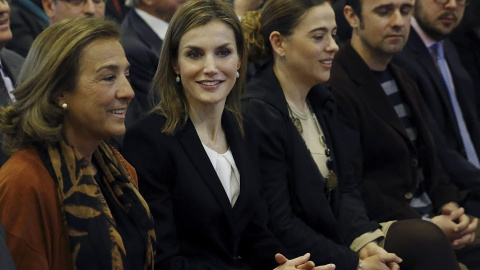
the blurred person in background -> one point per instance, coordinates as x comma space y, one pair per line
10, 64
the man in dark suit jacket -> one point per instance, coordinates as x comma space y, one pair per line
28, 19
400, 175
10, 65
432, 22
466, 38
143, 30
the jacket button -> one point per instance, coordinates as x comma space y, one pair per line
408, 195
414, 162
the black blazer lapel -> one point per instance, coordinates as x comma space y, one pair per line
240, 154
192, 145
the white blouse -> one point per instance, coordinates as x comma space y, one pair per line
224, 165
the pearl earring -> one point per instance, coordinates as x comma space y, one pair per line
238, 74
177, 79
64, 106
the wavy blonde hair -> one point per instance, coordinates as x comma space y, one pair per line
51, 68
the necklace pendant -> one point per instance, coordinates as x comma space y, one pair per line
298, 125
332, 180
322, 141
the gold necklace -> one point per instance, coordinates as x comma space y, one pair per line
331, 179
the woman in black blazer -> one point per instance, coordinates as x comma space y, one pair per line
193, 164
306, 156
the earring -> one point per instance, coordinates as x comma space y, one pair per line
64, 106
177, 79
238, 74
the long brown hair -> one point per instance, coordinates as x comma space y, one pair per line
173, 103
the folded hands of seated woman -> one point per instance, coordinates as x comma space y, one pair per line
301, 262
375, 257
458, 226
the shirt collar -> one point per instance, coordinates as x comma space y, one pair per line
158, 26
426, 39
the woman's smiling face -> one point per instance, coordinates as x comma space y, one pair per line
97, 106
207, 63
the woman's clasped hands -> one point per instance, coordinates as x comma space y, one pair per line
301, 262
375, 257
457, 226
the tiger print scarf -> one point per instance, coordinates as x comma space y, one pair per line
94, 239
